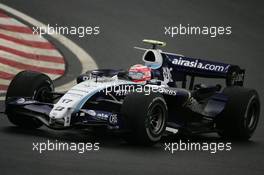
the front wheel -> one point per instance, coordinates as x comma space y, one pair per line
145, 116
28, 84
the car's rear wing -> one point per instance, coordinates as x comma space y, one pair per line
233, 74
182, 66
194, 67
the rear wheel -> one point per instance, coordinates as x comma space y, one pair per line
28, 84
241, 115
145, 116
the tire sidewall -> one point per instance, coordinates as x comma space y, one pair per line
232, 121
253, 101
135, 109
157, 101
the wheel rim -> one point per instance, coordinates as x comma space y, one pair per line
40, 94
252, 116
156, 116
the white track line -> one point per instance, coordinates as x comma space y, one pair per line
13, 70
23, 36
31, 62
4, 82
9, 69
28, 49
11, 21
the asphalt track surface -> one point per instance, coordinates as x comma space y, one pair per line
123, 25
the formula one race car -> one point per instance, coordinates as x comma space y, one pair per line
144, 102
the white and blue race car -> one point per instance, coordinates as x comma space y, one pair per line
142, 103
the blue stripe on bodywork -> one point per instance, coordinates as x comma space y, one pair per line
83, 101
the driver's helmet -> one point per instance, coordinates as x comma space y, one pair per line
139, 73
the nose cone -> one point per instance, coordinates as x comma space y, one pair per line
58, 112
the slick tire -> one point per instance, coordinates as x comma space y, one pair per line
28, 84
241, 114
145, 117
